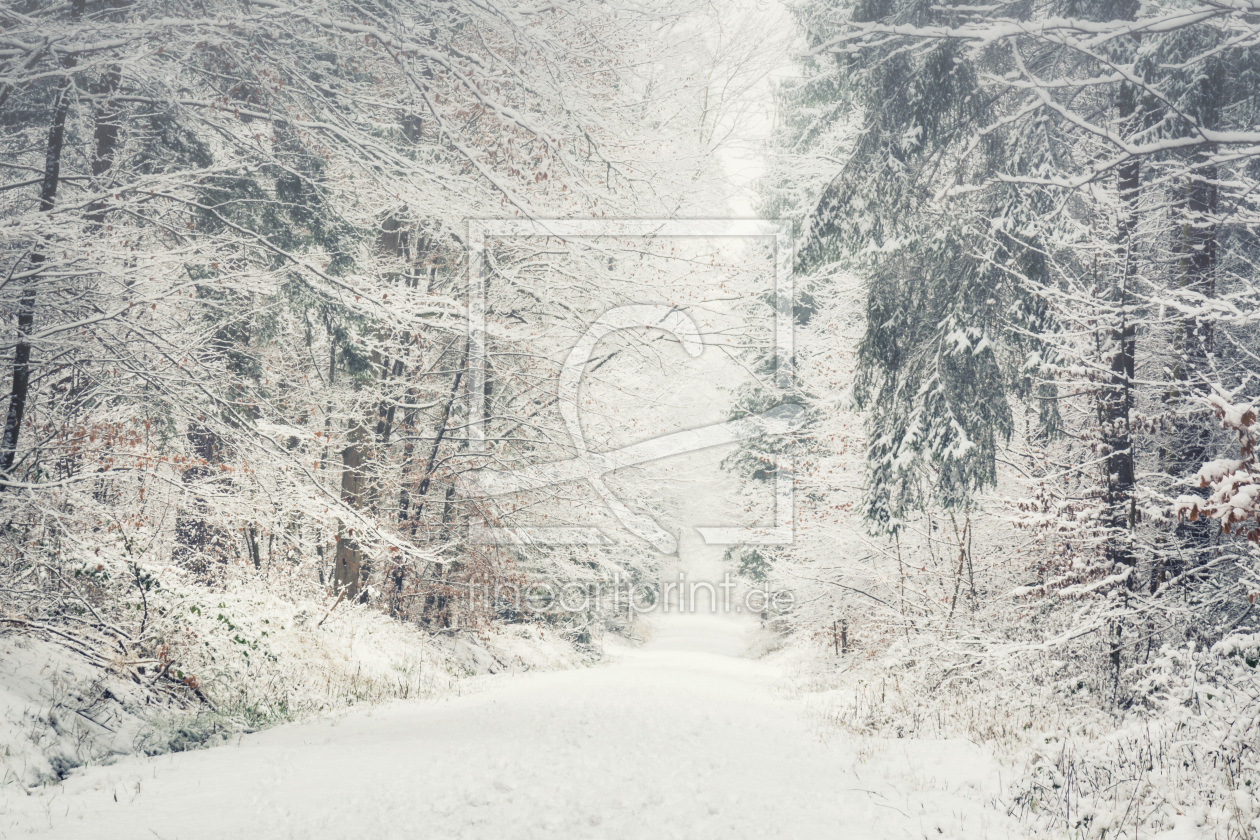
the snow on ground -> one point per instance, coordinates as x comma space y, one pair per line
681, 738
61, 709
57, 711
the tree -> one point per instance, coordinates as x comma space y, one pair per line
1001, 198
235, 237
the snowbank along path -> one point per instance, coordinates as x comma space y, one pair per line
681, 738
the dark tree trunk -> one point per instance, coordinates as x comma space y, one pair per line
103, 155
1118, 400
426, 477
1191, 373
26, 303
105, 137
192, 533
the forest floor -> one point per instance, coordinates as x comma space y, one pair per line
683, 737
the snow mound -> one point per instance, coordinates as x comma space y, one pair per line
58, 712
247, 661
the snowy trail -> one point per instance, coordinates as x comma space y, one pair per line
681, 738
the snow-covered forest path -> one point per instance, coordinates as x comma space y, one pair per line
682, 738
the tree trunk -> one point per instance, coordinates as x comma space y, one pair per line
105, 137
1191, 373
26, 303
348, 563
426, 478
192, 533
1118, 400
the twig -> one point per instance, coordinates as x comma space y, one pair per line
330, 609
